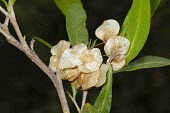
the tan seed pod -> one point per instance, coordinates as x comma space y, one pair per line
60, 47
77, 53
118, 62
91, 61
102, 78
109, 28
72, 73
57, 51
117, 45
64, 61
53, 63
77, 82
89, 80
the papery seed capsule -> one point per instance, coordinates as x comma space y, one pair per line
109, 28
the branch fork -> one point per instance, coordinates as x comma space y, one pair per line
23, 46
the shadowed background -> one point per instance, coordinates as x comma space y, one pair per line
24, 88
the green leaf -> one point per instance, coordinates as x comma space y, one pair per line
146, 62
75, 24
64, 5
103, 101
5, 2
88, 108
93, 43
13, 2
138, 26
74, 91
124, 27
43, 42
154, 5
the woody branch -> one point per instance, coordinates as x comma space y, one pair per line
23, 46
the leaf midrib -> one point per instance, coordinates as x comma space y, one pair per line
153, 63
105, 93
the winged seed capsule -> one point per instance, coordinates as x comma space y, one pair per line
116, 48
109, 28
92, 60
56, 52
79, 64
88, 80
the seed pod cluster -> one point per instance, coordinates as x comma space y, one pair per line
83, 66
78, 64
116, 47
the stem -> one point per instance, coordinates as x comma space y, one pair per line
74, 101
4, 11
84, 99
22, 45
14, 23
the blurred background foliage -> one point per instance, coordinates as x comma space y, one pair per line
24, 88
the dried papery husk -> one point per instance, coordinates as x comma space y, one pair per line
89, 79
53, 63
117, 45
102, 78
57, 51
77, 53
64, 61
60, 47
123, 44
91, 61
77, 82
72, 73
118, 62
109, 28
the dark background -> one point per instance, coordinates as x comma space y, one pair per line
24, 88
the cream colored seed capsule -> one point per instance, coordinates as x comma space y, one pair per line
77, 53
64, 61
53, 62
89, 80
57, 51
60, 47
117, 45
77, 82
70, 74
118, 62
109, 28
102, 78
116, 48
92, 60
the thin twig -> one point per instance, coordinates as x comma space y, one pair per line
84, 99
6, 21
99, 44
4, 11
15, 25
22, 45
32, 44
74, 101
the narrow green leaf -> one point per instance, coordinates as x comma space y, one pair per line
93, 43
43, 42
147, 62
124, 27
154, 5
64, 5
88, 108
5, 2
74, 91
75, 24
13, 2
104, 100
138, 26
